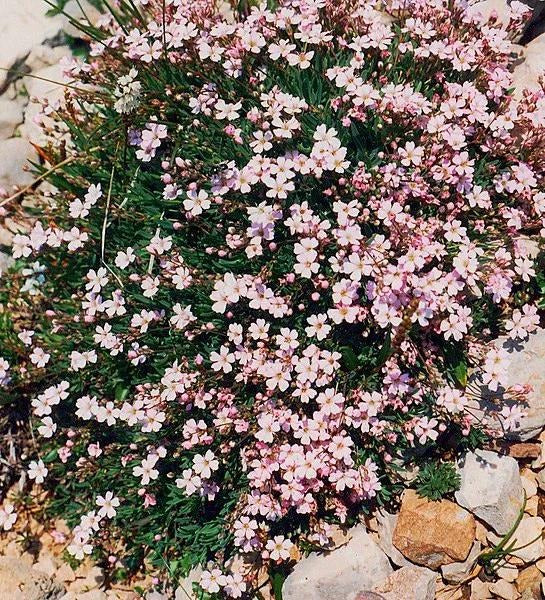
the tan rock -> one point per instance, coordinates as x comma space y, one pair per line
529, 582
541, 479
509, 573
95, 594
88, 578
433, 533
46, 565
539, 462
451, 592
530, 486
481, 533
14, 156
19, 582
528, 539
65, 573
532, 505
12, 549
409, 583
504, 590
525, 450
11, 114
480, 590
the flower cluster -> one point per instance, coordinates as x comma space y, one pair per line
265, 290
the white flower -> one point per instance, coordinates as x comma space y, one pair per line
108, 503
47, 428
124, 259
222, 361
80, 547
39, 357
204, 465
279, 548
196, 202
8, 516
212, 581
79, 360
37, 471
318, 327
87, 407
145, 470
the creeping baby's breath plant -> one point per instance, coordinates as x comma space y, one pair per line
280, 239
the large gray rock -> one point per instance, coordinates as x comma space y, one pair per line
49, 86
527, 73
409, 583
14, 155
491, 488
80, 11
342, 573
19, 582
526, 365
11, 114
23, 27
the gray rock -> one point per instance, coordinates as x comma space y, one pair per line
19, 582
386, 524
74, 8
529, 545
526, 74
486, 8
491, 488
49, 86
45, 56
526, 366
5, 262
409, 583
541, 479
11, 114
459, 571
342, 573
14, 154
24, 27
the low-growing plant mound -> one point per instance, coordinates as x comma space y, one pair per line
280, 240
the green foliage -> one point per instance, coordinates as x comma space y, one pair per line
437, 479
498, 556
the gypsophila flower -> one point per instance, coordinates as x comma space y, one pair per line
107, 503
283, 254
37, 471
8, 516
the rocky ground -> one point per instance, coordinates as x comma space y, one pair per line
428, 550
